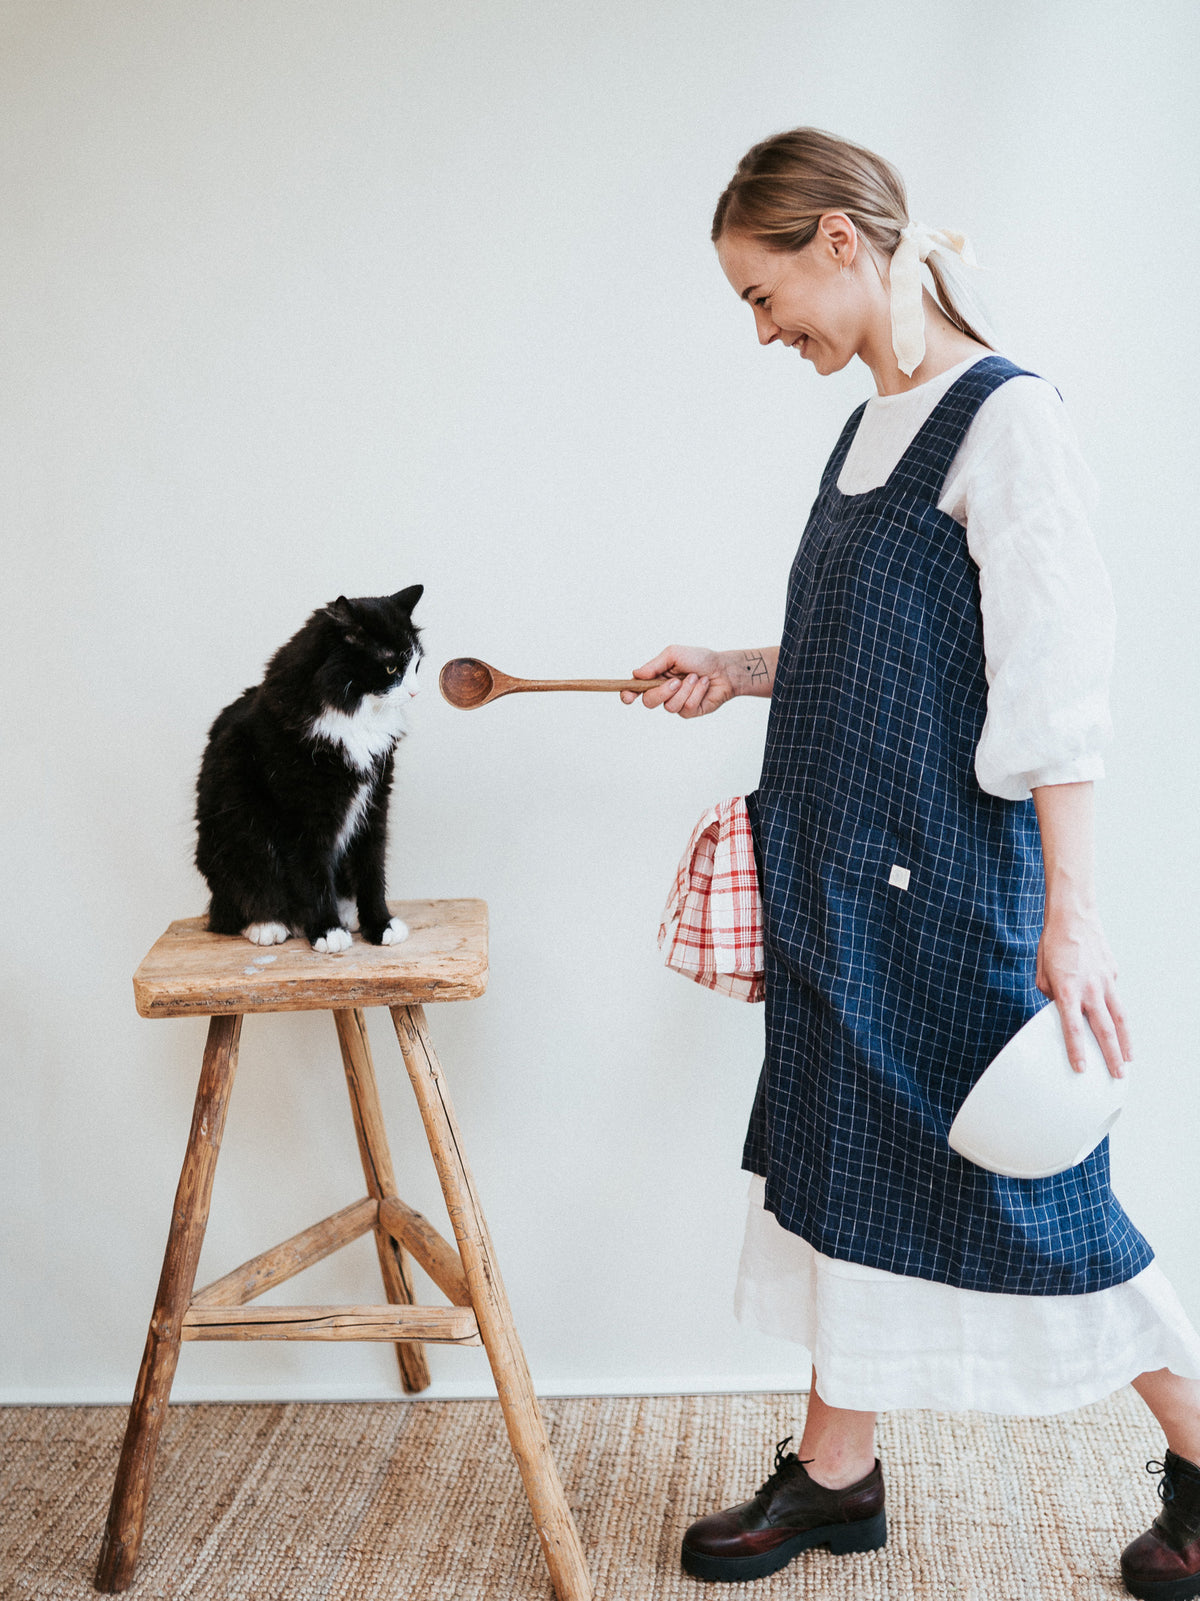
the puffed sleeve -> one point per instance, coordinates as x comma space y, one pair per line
1020, 485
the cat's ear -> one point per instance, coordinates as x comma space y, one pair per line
342, 612
406, 599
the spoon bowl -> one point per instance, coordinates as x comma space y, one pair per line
468, 683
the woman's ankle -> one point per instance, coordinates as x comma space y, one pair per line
840, 1442
838, 1473
1175, 1402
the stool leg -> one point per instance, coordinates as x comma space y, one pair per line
522, 1415
394, 1262
127, 1513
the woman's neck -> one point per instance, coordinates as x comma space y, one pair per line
945, 347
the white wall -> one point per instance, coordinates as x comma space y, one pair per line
309, 298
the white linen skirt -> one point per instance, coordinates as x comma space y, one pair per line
880, 1340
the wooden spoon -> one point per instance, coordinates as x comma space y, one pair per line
466, 682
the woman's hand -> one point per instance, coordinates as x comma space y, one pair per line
700, 681
1076, 969
1074, 964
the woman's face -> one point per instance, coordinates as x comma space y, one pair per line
803, 298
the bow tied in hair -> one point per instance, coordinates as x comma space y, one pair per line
918, 241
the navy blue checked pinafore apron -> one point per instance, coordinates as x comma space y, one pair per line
902, 905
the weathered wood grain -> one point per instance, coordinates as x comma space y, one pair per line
127, 1512
282, 1262
450, 1325
376, 1158
436, 1255
522, 1415
189, 972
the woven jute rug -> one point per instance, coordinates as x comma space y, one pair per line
420, 1500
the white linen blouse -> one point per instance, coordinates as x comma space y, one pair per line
1020, 487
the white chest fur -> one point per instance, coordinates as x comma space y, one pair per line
355, 813
371, 730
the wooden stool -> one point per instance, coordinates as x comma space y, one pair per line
190, 972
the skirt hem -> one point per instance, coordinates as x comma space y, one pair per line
882, 1341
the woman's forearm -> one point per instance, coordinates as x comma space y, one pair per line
751, 672
1074, 963
1064, 814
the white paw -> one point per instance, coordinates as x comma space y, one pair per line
348, 914
333, 940
266, 933
396, 930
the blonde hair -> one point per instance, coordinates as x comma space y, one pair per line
785, 184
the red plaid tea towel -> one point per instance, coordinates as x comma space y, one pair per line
712, 926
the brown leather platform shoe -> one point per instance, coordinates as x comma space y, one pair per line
787, 1515
1164, 1563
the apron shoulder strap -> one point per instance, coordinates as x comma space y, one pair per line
923, 467
846, 438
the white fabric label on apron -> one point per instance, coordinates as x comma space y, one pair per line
899, 876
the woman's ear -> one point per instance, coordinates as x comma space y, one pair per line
840, 237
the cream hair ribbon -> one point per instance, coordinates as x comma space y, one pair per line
917, 241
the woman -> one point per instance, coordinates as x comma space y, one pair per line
923, 827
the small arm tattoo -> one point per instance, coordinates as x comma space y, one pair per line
756, 666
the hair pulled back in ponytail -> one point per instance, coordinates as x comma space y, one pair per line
784, 185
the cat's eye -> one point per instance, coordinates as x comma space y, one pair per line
393, 669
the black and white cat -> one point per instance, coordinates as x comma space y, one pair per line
291, 802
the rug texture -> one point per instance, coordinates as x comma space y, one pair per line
420, 1500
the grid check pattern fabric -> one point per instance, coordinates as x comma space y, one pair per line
712, 926
902, 906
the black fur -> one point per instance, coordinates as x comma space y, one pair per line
272, 799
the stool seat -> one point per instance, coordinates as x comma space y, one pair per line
189, 972
192, 973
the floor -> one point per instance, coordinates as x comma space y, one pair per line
421, 1499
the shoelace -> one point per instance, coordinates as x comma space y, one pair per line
1182, 1522
779, 1474
1180, 1470
1165, 1485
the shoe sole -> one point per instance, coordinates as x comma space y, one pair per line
866, 1534
1164, 1589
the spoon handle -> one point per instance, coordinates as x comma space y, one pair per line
588, 683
